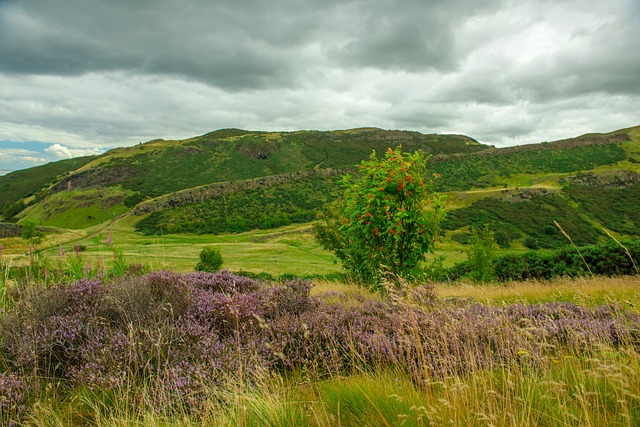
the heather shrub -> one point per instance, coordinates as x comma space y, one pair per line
15, 392
165, 339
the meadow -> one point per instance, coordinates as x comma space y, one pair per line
219, 349
106, 323
174, 347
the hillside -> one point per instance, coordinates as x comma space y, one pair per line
233, 180
24, 183
161, 167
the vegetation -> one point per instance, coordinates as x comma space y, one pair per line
526, 215
89, 336
264, 208
77, 209
24, 183
219, 349
210, 260
609, 259
162, 167
387, 221
615, 208
486, 169
482, 255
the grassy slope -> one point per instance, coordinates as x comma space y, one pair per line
161, 167
16, 185
271, 252
78, 209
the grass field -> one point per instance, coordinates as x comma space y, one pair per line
286, 250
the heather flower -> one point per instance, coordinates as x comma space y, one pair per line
14, 394
186, 334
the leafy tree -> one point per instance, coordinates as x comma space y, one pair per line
10, 210
31, 234
482, 255
210, 259
387, 221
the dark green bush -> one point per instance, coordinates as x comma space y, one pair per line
608, 259
210, 260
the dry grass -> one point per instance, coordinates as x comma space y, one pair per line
585, 290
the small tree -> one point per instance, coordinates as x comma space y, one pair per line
210, 260
387, 221
482, 255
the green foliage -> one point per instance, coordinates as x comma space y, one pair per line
482, 255
485, 169
387, 221
162, 167
529, 217
609, 259
10, 210
210, 260
502, 239
617, 209
16, 185
133, 199
262, 208
31, 234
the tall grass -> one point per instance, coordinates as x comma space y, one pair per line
218, 349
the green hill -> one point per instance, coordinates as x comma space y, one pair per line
24, 183
233, 180
161, 167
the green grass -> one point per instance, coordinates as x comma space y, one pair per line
77, 209
162, 167
23, 183
498, 167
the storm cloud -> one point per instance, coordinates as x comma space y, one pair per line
90, 75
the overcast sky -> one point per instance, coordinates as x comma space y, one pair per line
82, 76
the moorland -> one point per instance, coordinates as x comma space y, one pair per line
104, 320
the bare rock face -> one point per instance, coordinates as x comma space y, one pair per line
611, 179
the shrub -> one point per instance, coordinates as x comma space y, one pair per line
210, 260
387, 221
608, 259
482, 255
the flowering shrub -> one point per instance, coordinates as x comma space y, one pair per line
181, 335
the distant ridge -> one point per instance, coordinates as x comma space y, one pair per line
233, 180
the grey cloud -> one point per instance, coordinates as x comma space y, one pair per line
105, 73
223, 46
232, 45
405, 35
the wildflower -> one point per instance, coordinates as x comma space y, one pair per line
61, 252
109, 239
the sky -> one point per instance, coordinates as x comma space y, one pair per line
79, 77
